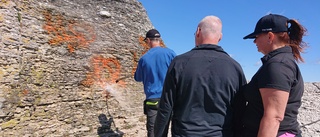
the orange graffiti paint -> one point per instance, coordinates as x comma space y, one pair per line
74, 34
146, 48
25, 92
134, 62
105, 71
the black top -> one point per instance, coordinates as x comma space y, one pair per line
198, 92
279, 71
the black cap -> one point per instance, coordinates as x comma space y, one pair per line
269, 23
153, 33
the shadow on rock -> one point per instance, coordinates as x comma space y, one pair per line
105, 129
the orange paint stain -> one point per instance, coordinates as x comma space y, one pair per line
145, 49
134, 62
143, 44
25, 92
105, 71
74, 34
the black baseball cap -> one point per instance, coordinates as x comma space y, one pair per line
153, 33
269, 23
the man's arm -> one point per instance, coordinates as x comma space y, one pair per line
138, 74
239, 105
165, 107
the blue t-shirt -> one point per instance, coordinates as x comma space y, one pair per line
152, 68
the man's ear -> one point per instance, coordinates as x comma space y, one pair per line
197, 32
220, 36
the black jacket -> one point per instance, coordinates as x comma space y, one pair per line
198, 94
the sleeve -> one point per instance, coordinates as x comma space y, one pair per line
278, 76
166, 105
173, 55
239, 104
138, 74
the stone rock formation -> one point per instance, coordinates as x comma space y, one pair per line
60, 60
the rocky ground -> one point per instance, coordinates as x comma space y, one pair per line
309, 111
132, 120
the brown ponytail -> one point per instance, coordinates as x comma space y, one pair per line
293, 38
296, 32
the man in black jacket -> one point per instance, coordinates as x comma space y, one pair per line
200, 86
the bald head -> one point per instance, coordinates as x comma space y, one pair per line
209, 31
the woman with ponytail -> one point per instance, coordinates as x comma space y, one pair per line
273, 96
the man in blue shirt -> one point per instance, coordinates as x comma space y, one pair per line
151, 71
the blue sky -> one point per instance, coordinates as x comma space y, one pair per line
177, 20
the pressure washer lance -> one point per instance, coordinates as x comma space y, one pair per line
110, 133
122, 78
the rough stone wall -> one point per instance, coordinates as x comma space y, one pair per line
57, 59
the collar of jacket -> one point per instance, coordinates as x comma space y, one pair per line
285, 49
210, 47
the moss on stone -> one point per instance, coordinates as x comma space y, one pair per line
40, 113
1, 74
37, 100
10, 124
25, 118
37, 76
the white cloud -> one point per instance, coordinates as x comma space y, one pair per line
258, 63
280, 13
269, 12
